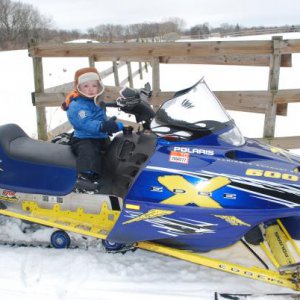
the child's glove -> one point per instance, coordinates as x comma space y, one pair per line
111, 126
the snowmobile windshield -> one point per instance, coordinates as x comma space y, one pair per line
193, 113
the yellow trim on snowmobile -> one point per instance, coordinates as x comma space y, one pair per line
152, 213
95, 225
290, 239
269, 276
132, 206
277, 241
269, 255
278, 252
104, 221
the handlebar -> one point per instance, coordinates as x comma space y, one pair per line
111, 104
136, 102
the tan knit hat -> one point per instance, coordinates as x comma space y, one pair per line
88, 74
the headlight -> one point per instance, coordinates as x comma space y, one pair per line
233, 137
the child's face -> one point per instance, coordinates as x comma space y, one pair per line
90, 88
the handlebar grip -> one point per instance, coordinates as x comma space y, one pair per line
111, 104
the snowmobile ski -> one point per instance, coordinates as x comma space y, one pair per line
283, 296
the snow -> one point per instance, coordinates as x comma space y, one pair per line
45, 273
42, 273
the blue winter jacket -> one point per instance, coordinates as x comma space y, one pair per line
86, 118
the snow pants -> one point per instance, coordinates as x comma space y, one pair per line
89, 153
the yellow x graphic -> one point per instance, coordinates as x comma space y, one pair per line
187, 193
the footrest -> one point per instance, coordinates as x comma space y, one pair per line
292, 268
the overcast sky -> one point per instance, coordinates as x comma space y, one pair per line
84, 14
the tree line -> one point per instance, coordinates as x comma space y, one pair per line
21, 22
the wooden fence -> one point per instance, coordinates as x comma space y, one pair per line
275, 53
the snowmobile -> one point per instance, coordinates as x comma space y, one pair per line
184, 184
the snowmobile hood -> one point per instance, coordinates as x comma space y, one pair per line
196, 132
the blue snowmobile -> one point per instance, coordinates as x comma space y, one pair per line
186, 182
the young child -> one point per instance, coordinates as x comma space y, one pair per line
92, 128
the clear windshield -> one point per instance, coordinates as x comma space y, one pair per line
194, 111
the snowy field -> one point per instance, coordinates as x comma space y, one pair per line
43, 273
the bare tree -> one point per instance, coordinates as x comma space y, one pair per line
200, 31
178, 24
138, 31
19, 22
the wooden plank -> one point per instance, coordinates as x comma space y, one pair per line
123, 58
244, 101
287, 96
65, 127
248, 101
146, 51
239, 60
287, 142
286, 60
57, 98
262, 60
69, 86
290, 46
126, 80
49, 99
150, 50
62, 88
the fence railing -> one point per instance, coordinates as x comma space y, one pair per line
275, 53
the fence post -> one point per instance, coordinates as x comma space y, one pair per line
41, 119
155, 78
92, 61
130, 80
39, 88
91, 58
270, 115
141, 70
155, 75
116, 73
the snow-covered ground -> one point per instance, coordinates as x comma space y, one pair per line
43, 273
